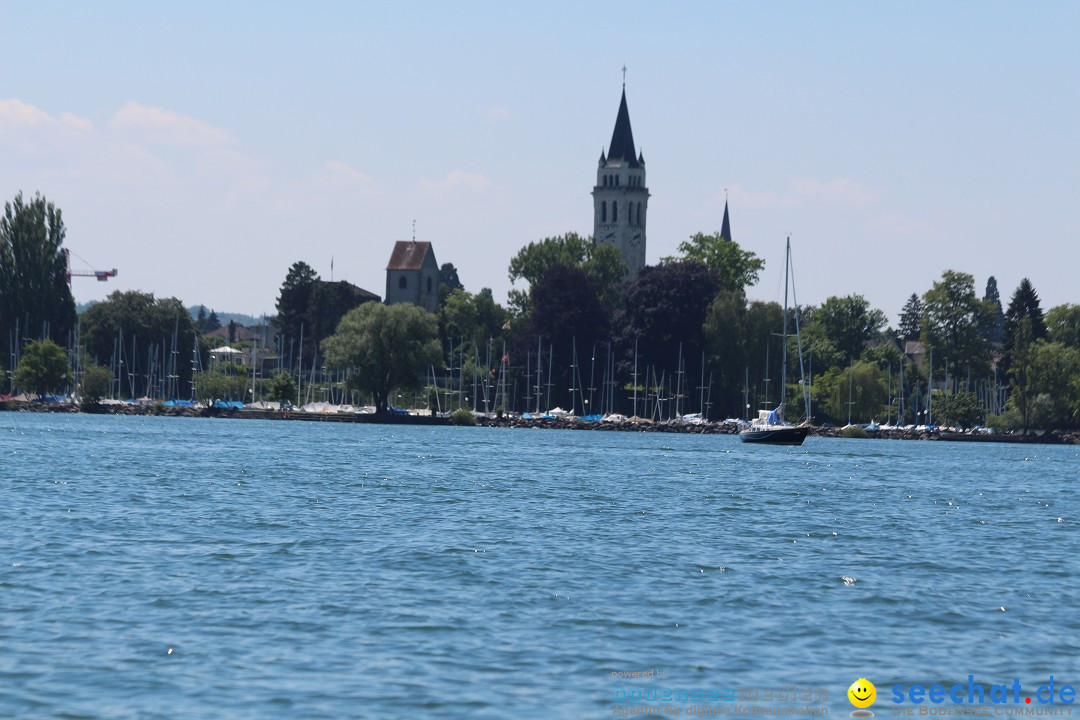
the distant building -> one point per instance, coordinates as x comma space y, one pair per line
620, 197
915, 352
226, 354
412, 275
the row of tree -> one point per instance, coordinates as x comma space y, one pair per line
681, 336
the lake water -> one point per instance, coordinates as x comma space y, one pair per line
171, 567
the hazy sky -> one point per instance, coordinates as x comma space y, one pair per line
203, 147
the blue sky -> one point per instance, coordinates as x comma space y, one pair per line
202, 148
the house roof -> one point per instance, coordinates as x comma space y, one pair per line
357, 291
409, 255
366, 294
622, 138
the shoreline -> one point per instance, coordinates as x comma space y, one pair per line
1051, 437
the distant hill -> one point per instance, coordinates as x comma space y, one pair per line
224, 317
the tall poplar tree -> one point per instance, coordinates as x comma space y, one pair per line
34, 293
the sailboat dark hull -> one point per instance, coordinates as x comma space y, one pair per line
793, 435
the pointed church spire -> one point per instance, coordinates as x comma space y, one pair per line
622, 139
725, 227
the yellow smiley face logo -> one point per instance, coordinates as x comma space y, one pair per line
862, 693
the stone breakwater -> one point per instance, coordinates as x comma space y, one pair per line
712, 428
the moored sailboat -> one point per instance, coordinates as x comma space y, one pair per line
769, 428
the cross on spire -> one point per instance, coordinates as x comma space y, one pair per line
624, 76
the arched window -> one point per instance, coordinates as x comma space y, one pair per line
605, 181
614, 211
429, 284
639, 213
603, 212
402, 283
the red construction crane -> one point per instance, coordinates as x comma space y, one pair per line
101, 275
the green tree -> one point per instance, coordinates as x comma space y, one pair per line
448, 282
848, 323
476, 318
995, 332
293, 302
954, 324
663, 315
1024, 326
602, 263
329, 303
95, 385
221, 383
310, 308
725, 338
1024, 304
764, 321
1063, 325
283, 388
863, 385
1056, 373
34, 292
1021, 371
42, 368
387, 347
884, 355
205, 323
911, 318
959, 410
737, 269
566, 314
157, 338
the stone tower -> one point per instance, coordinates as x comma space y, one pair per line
620, 197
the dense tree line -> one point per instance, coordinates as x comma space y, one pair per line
682, 336
679, 337
150, 344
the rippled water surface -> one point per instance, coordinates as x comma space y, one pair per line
168, 567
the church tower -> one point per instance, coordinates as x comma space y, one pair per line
620, 198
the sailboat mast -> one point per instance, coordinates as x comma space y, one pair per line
783, 361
